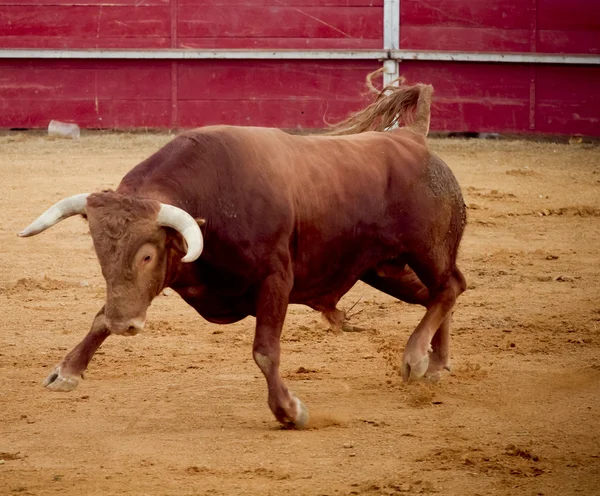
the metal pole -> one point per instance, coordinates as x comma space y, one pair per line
391, 38
259, 54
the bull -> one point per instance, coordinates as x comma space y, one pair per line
243, 221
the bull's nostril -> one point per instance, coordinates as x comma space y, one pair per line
132, 329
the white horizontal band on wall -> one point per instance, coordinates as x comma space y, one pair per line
190, 54
514, 58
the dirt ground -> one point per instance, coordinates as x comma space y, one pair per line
181, 408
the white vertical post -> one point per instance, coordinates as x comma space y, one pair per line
391, 24
391, 38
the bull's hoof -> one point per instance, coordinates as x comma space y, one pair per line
302, 417
416, 370
59, 380
436, 367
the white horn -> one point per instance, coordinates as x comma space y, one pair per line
181, 221
67, 207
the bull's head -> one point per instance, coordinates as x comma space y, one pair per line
133, 248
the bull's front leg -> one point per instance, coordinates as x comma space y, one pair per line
271, 308
67, 374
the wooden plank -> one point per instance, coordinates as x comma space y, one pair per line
500, 14
108, 3
278, 22
84, 79
297, 114
552, 41
471, 80
127, 93
287, 3
92, 21
299, 94
475, 96
567, 118
569, 27
473, 116
464, 39
574, 15
87, 113
283, 43
126, 114
568, 101
270, 3
82, 42
269, 80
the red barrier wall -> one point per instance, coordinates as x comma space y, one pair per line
494, 97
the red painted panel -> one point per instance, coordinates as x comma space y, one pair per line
464, 39
495, 97
123, 114
501, 14
132, 3
572, 15
85, 79
299, 114
288, 94
91, 93
77, 42
295, 94
458, 80
567, 118
93, 22
569, 42
283, 43
226, 21
286, 3
109, 114
476, 116
269, 80
568, 27
135, 3
475, 97
568, 83
568, 101
137, 93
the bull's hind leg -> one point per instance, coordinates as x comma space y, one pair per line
271, 307
400, 281
434, 328
67, 374
335, 318
439, 356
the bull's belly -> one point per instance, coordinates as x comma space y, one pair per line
214, 307
327, 280
231, 319
325, 294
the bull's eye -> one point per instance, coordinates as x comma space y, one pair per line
147, 258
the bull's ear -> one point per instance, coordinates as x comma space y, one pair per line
200, 221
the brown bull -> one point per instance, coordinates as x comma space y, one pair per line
286, 219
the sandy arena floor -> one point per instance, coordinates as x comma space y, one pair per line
181, 409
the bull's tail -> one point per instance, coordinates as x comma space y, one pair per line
410, 105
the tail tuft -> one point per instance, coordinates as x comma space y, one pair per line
392, 104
